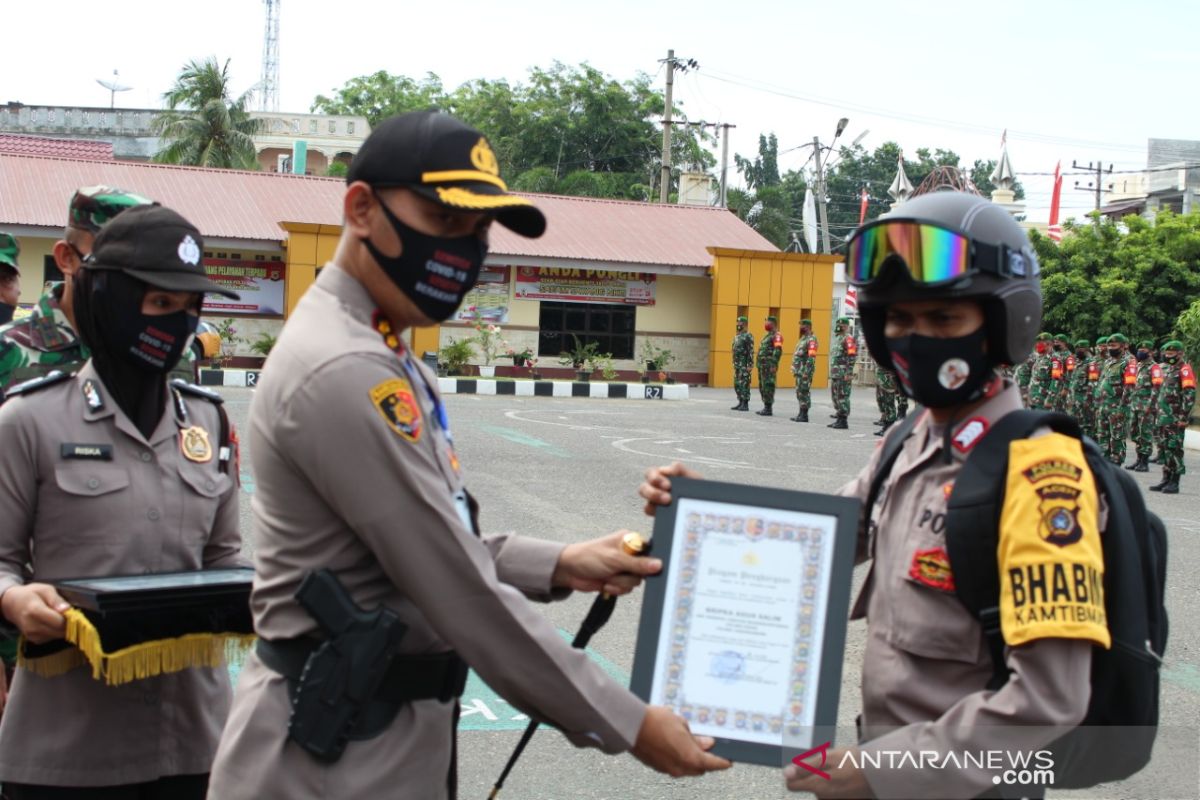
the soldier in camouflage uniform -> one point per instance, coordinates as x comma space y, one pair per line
885, 398
1176, 398
1024, 374
1120, 376
1066, 359
841, 371
804, 362
1142, 408
770, 353
743, 364
1042, 384
1080, 389
10, 277
1100, 364
46, 340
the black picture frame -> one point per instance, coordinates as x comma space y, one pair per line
131, 593
840, 517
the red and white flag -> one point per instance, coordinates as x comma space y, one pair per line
862, 209
1055, 230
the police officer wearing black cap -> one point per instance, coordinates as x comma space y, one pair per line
356, 473
114, 470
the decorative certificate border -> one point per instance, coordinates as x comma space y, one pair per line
743, 632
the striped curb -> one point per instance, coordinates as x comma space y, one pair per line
599, 389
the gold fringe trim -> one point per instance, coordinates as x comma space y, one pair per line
50, 666
144, 660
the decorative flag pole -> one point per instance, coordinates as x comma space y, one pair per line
1055, 230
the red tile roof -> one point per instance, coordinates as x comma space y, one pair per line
232, 204
49, 146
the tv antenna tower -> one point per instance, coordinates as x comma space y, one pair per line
269, 91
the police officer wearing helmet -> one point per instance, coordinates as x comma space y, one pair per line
356, 473
948, 292
115, 471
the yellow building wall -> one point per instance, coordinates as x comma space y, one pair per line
761, 283
680, 306
32, 259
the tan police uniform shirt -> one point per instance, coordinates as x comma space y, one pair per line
926, 664
354, 473
144, 509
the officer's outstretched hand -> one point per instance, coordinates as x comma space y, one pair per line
602, 565
656, 488
37, 611
665, 744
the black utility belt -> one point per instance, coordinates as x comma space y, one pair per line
441, 676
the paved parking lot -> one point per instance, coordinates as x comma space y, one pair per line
568, 469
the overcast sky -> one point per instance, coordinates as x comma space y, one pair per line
1081, 80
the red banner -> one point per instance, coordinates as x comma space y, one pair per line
585, 285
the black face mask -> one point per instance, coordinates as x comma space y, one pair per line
1081, 353
6, 313
434, 273
1171, 359
940, 373
1114, 353
1142, 355
152, 343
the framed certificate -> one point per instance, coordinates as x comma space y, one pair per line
134, 593
742, 633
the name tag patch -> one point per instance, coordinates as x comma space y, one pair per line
87, 452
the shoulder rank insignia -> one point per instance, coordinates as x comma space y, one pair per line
91, 396
396, 404
35, 384
197, 391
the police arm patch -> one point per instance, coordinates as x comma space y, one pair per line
1050, 558
397, 405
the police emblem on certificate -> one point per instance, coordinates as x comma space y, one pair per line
743, 632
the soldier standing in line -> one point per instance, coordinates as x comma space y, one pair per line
1042, 381
1149, 376
1100, 393
743, 363
885, 397
1176, 398
1120, 375
1079, 389
1062, 349
804, 361
770, 353
901, 400
841, 371
1024, 373
10, 277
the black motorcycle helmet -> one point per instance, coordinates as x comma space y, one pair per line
1002, 273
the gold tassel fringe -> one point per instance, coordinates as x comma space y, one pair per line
144, 660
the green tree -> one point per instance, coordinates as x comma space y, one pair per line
763, 170
1187, 330
382, 95
204, 125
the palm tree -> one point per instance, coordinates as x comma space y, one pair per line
203, 126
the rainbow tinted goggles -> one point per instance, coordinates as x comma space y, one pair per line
932, 254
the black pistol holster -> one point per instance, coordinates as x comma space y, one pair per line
351, 685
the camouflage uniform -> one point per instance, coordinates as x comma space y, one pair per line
10, 277
885, 395
841, 370
1101, 362
770, 353
1043, 385
1176, 398
1144, 419
1062, 347
743, 364
1080, 388
803, 364
1120, 375
1024, 374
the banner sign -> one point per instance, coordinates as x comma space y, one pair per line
489, 297
260, 284
586, 285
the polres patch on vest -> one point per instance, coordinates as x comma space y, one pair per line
931, 567
396, 404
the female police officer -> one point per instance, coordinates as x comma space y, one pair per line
111, 471
948, 291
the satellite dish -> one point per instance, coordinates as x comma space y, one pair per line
113, 87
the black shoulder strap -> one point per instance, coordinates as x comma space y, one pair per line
889, 451
34, 384
197, 391
973, 522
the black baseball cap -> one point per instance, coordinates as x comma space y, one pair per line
447, 161
158, 246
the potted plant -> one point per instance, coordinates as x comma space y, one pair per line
263, 344
490, 339
655, 359
581, 357
533, 370
520, 357
604, 363
455, 355
229, 343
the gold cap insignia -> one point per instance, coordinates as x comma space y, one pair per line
483, 158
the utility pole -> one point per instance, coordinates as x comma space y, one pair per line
821, 206
724, 159
664, 189
1099, 170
